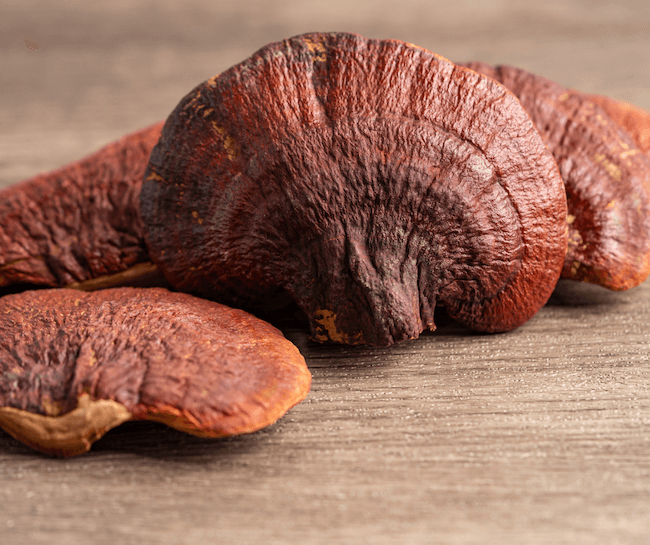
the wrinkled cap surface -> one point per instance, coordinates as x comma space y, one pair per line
370, 179
79, 222
75, 364
607, 177
634, 120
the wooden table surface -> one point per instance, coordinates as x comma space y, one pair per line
538, 436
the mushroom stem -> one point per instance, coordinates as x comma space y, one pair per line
139, 275
380, 307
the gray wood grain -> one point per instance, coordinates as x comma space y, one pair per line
537, 436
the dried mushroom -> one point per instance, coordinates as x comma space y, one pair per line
74, 364
370, 179
607, 178
79, 225
634, 120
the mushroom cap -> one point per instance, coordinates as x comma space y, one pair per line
79, 222
74, 364
634, 120
370, 179
606, 174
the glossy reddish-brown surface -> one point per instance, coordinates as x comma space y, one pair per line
196, 365
370, 179
79, 222
607, 178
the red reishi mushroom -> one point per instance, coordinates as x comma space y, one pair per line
75, 364
371, 179
605, 171
79, 225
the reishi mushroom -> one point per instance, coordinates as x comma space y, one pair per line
75, 364
79, 225
607, 176
371, 179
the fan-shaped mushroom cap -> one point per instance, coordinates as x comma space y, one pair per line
80, 222
75, 364
370, 179
607, 179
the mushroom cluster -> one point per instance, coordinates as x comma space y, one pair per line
370, 181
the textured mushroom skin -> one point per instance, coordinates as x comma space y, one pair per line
193, 364
79, 222
370, 179
634, 120
606, 174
